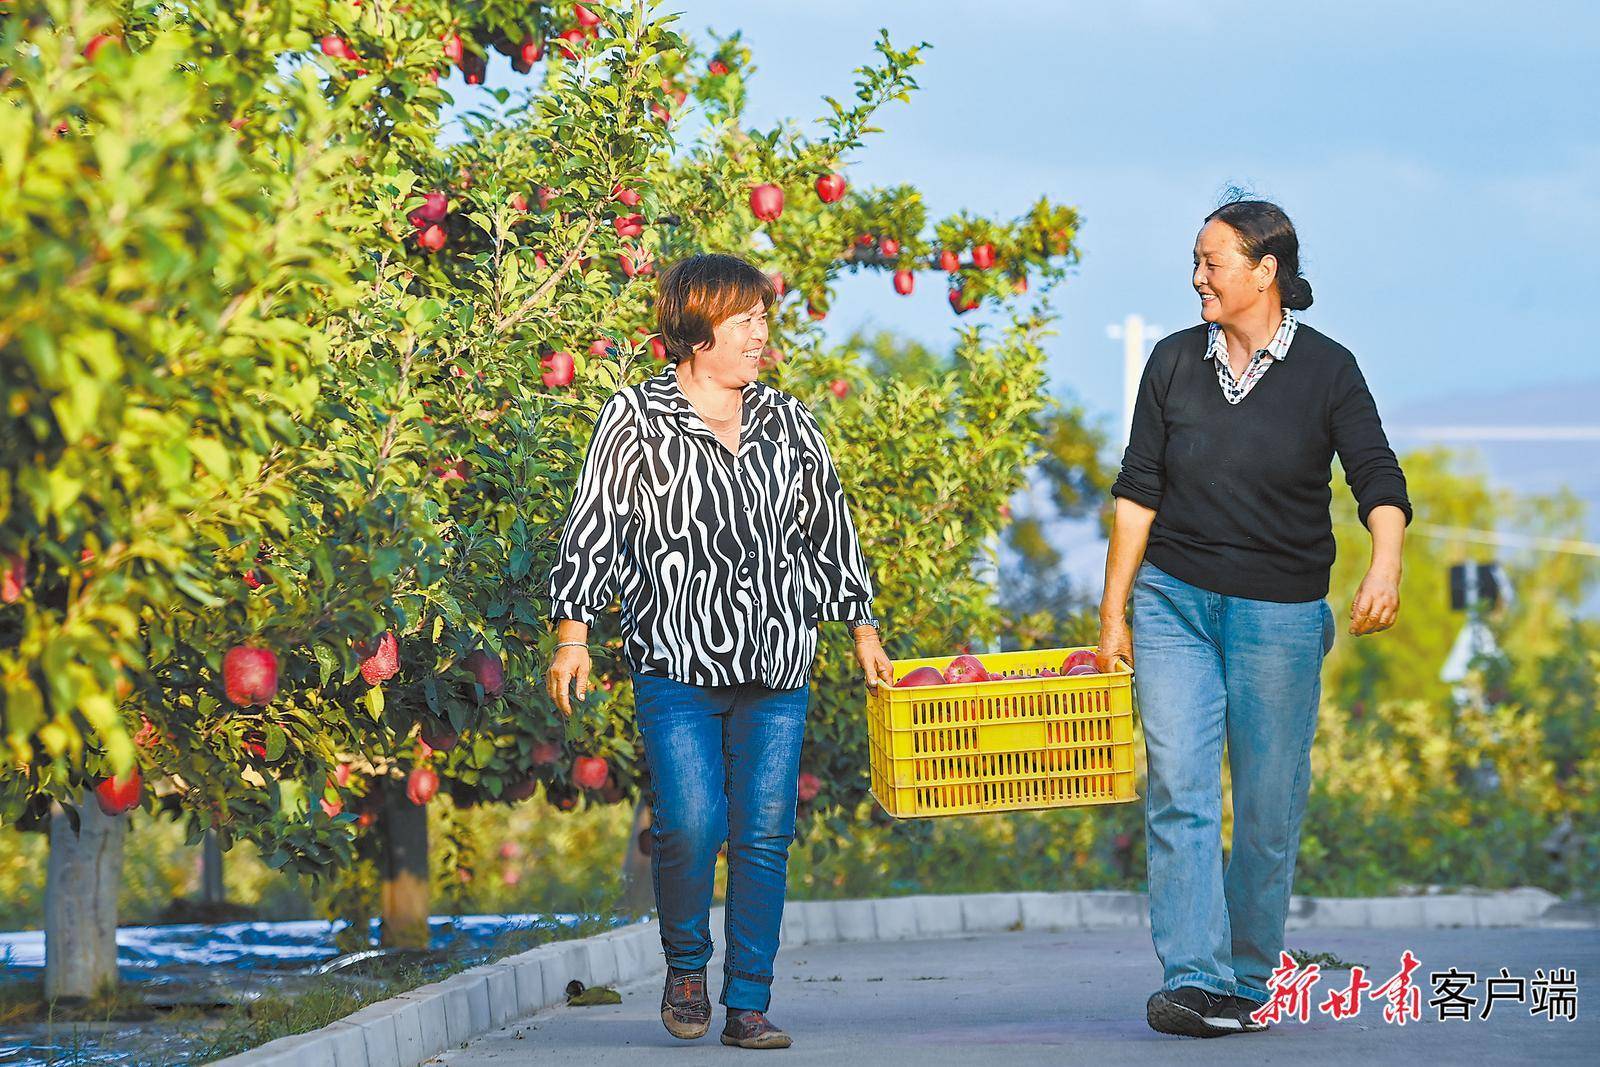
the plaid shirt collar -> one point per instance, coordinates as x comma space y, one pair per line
1277, 348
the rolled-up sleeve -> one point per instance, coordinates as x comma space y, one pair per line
583, 581
1143, 477
1370, 466
825, 520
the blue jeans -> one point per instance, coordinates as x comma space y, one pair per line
1211, 668
724, 765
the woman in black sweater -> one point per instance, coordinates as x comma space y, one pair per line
1224, 538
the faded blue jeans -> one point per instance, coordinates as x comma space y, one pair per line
724, 765
1211, 668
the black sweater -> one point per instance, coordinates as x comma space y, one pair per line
1241, 491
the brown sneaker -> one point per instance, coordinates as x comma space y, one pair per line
685, 1005
752, 1029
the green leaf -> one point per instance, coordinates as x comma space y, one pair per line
373, 698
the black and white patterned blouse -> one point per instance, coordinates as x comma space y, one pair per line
724, 564
1277, 348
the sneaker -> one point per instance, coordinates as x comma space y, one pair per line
752, 1029
1192, 1012
685, 1005
1243, 1007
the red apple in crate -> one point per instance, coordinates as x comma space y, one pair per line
1049, 672
1077, 659
830, 188
250, 675
117, 795
965, 669
766, 202
921, 676
589, 772
1083, 669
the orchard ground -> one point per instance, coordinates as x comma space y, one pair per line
1076, 997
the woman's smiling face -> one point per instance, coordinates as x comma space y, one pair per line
733, 357
1228, 283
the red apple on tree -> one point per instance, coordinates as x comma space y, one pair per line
586, 18
118, 795
717, 68
422, 785
629, 225
658, 347
545, 753
949, 261
473, 67
830, 188
589, 772
636, 261
380, 659
904, 282
766, 202
432, 239
453, 49
568, 39
558, 368
602, 348
100, 40
487, 671
625, 195
983, 256
13, 577
332, 45
810, 786
889, 247
921, 676
840, 387
250, 675
519, 202
960, 302
437, 735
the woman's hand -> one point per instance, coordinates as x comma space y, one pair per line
570, 665
875, 666
1116, 642
1376, 604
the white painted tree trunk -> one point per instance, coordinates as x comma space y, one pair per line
80, 903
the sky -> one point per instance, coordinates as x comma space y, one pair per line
1440, 161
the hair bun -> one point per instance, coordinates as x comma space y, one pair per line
1295, 293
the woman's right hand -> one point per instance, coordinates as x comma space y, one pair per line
570, 665
1116, 642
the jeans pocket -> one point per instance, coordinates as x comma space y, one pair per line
1328, 628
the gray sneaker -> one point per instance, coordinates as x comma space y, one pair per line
1190, 1011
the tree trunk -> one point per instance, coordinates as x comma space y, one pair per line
638, 889
405, 870
80, 902
211, 887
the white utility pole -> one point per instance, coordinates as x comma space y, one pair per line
1132, 333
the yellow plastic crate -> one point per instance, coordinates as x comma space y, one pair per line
1017, 745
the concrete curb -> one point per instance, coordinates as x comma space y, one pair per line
411, 1028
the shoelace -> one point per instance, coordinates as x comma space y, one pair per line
690, 987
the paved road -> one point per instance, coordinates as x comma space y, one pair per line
1038, 998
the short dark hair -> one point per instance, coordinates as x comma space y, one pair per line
697, 293
1264, 230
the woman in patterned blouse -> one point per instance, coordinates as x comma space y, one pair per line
709, 504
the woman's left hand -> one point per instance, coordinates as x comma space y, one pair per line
875, 666
1377, 603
